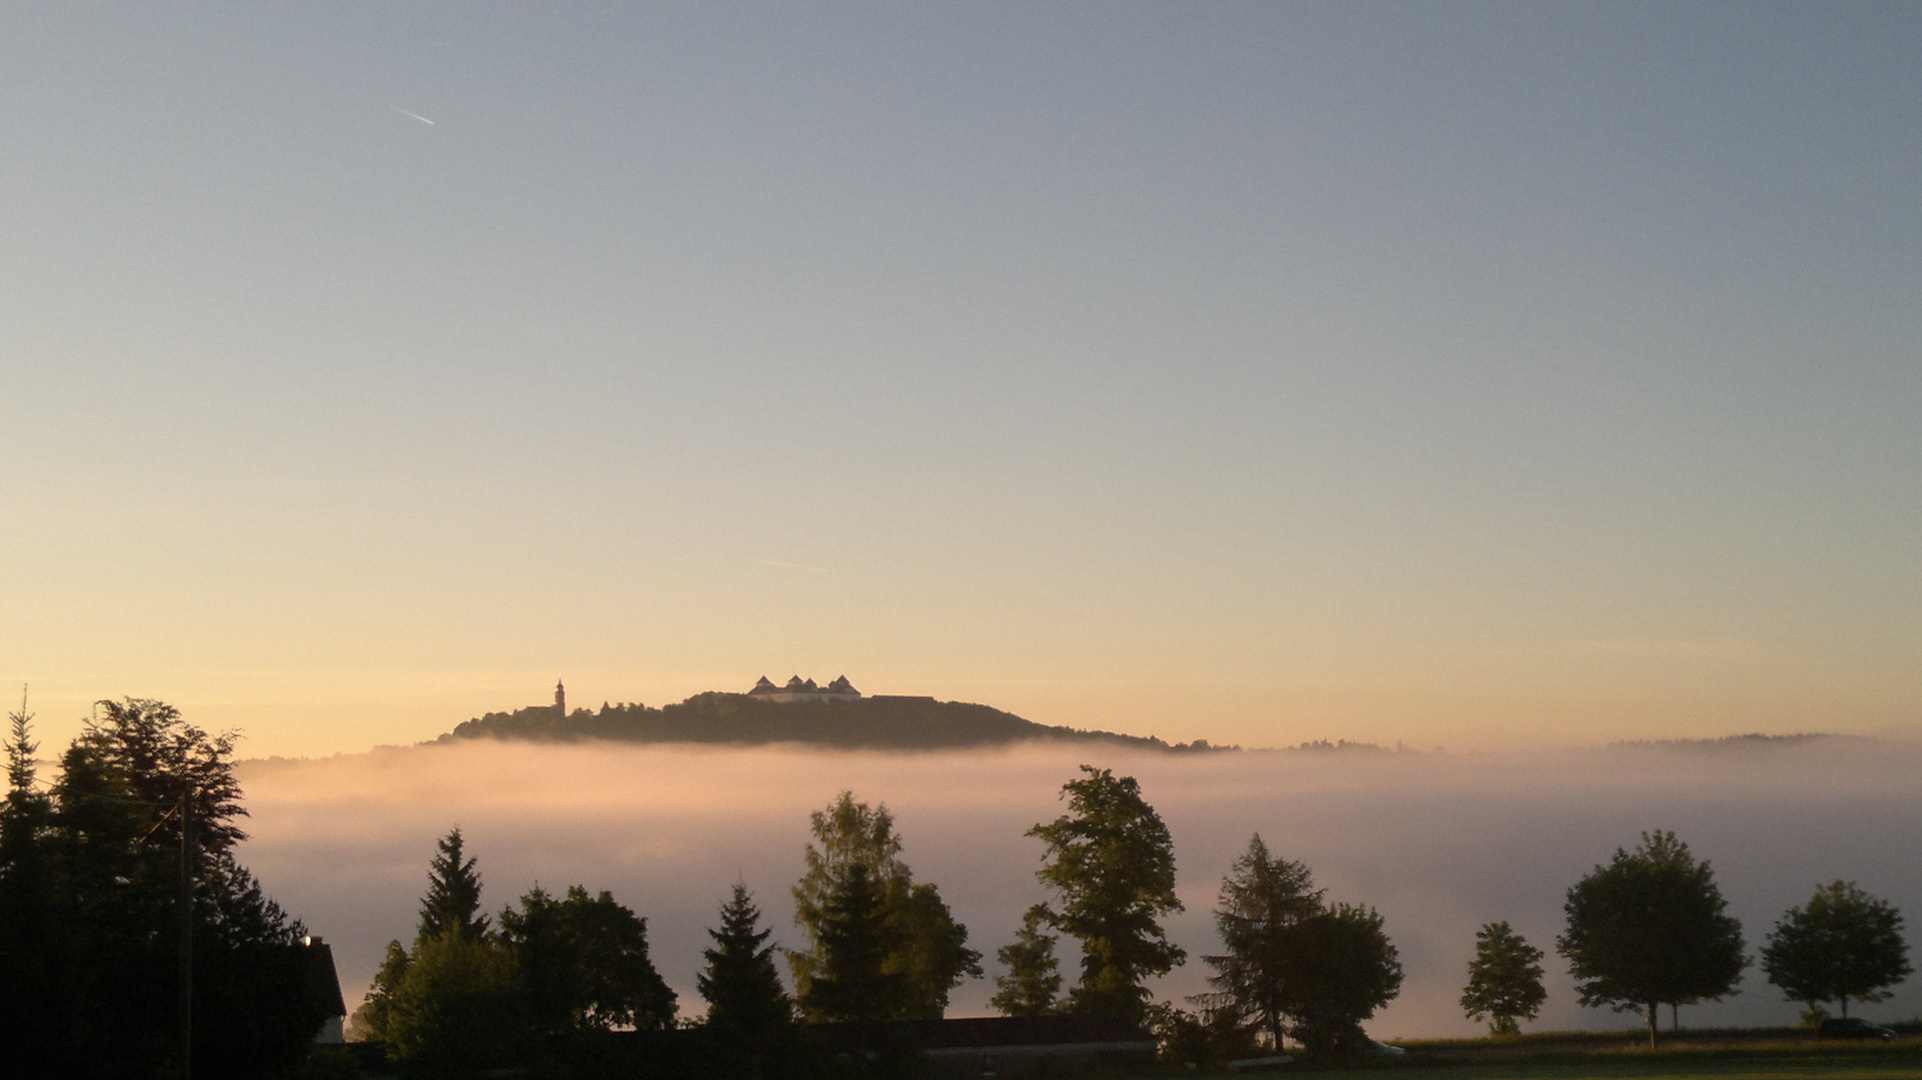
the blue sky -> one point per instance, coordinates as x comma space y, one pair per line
1250, 372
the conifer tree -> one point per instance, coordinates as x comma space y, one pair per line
1033, 981
452, 901
1263, 902
742, 988
27, 812
927, 947
853, 980
20, 748
31, 939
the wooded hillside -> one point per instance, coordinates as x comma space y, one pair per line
904, 723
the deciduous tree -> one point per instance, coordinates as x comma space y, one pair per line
1844, 945
90, 877
583, 964
1346, 969
459, 1010
1033, 980
1504, 980
371, 1019
1650, 928
1111, 863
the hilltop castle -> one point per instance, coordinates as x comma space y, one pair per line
798, 689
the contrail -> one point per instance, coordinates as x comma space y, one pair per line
415, 115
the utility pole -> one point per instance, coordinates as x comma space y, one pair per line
187, 935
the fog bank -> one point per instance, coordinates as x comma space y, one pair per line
1440, 844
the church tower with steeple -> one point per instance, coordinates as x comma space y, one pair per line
560, 699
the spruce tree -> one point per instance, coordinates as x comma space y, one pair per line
928, 948
853, 980
32, 940
742, 988
452, 902
28, 812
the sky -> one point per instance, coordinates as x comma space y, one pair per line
1439, 845
1452, 375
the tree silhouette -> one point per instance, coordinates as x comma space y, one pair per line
926, 947
33, 934
583, 964
1844, 945
1504, 980
1648, 929
374, 1014
1112, 865
459, 1010
91, 914
452, 901
1263, 902
1033, 981
1346, 968
853, 979
742, 988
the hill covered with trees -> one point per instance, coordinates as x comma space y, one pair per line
885, 722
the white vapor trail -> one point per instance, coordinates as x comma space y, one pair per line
415, 115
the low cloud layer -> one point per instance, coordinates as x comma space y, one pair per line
1440, 844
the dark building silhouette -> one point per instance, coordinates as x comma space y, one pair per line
798, 689
323, 989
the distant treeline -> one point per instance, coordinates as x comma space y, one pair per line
1726, 742
876, 723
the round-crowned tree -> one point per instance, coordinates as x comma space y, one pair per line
1845, 945
1650, 928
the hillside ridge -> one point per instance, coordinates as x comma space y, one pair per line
869, 723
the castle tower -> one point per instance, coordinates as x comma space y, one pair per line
560, 699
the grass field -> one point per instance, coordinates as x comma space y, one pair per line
1900, 1062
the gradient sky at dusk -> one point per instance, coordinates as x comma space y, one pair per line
1256, 372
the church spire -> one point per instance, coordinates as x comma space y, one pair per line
560, 699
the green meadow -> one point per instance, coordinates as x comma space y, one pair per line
1787, 1061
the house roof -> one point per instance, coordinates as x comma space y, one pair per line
323, 983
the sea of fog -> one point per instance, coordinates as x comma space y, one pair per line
1438, 843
